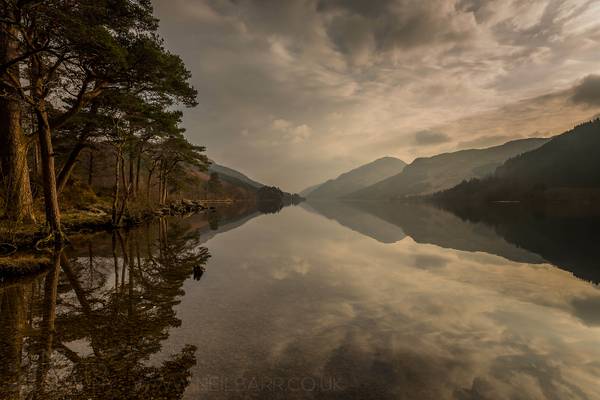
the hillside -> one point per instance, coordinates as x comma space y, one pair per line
358, 178
226, 171
443, 171
568, 160
565, 168
234, 185
306, 192
230, 188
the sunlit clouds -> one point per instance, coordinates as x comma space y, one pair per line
319, 86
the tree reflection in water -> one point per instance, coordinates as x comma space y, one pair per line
91, 324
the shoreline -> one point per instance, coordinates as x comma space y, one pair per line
20, 252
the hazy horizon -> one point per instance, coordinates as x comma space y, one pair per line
318, 87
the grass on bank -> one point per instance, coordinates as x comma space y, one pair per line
22, 264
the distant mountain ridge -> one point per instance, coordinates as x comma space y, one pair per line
306, 192
230, 172
357, 179
565, 168
432, 174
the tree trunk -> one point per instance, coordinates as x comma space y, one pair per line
165, 190
13, 150
48, 174
125, 190
149, 184
15, 171
67, 169
137, 171
131, 174
91, 168
46, 150
37, 160
160, 183
124, 183
116, 186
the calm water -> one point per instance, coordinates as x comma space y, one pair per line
331, 301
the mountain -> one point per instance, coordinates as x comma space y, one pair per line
357, 178
306, 192
566, 168
234, 184
568, 160
443, 171
229, 172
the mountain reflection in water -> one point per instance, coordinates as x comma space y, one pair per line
517, 234
238, 304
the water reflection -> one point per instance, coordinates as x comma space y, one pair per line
355, 318
565, 237
293, 305
87, 327
515, 233
369, 224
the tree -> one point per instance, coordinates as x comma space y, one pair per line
13, 147
172, 155
214, 185
73, 52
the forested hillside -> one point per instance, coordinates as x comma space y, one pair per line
565, 168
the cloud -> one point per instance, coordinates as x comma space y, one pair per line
428, 138
587, 309
299, 133
280, 124
588, 91
485, 141
363, 76
395, 25
289, 132
430, 261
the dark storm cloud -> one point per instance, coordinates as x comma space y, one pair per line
391, 25
588, 92
428, 138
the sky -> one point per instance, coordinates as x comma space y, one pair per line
295, 92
